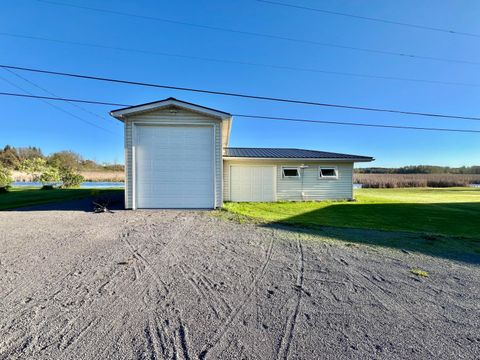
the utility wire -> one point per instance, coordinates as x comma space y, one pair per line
251, 116
353, 123
263, 35
241, 95
53, 94
62, 99
385, 21
227, 61
44, 100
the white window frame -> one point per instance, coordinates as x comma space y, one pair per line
321, 177
291, 168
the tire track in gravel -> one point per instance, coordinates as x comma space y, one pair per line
388, 302
205, 292
425, 324
289, 331
222, 330
164, 340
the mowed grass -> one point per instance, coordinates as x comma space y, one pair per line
446, 211
21, 197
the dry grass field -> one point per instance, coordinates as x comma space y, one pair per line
415, 180
103, 175
91, 175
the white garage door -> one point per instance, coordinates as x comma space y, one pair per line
252, 183
174, 167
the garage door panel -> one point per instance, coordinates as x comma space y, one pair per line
174, 167
252, 183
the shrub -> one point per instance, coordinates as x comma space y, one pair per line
47, 187
40, 171
5, 178
49, 176
70, 178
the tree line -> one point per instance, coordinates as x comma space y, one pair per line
421, 169
61, 168
12, 158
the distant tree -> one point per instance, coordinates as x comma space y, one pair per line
89, 165
65, 160
30, 152
9, 157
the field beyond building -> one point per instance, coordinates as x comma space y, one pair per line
415, 180
450, 211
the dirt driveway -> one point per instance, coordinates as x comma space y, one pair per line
189, 285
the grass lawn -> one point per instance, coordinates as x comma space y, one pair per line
21, 196
447, 211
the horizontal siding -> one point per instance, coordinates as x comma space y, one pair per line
177, 116
314, 188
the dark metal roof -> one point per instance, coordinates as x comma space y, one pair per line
282, 153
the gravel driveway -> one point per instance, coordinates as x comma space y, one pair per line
189, 285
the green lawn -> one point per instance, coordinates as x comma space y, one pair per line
449, 211
21, 197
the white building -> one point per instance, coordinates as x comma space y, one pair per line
177, 156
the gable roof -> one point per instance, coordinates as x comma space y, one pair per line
285, 154
151, 106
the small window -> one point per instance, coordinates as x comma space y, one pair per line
327, 173
290, 172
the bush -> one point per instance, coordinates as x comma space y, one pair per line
40, 171
47, 187
5, 178
70, 178
49, 176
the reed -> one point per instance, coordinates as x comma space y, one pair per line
415, 180
91, 175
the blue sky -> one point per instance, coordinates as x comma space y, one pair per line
33, 122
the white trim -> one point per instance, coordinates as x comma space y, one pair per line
120, 114
275, 183
321, 177
214, 128
286, 167
134, 165
296, 159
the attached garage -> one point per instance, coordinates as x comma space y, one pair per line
173, 155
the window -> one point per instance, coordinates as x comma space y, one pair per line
327, 173
290, 172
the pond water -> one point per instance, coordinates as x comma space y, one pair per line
106, 184
85, 185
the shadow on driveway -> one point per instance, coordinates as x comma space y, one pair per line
407, 227
113, 201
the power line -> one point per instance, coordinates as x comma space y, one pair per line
62, 99
53, 94
264, 117
385, 21
262, 35
241, 95
44, 99
228, 61
354, 123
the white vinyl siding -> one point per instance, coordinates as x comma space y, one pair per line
175, 116
290, 189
